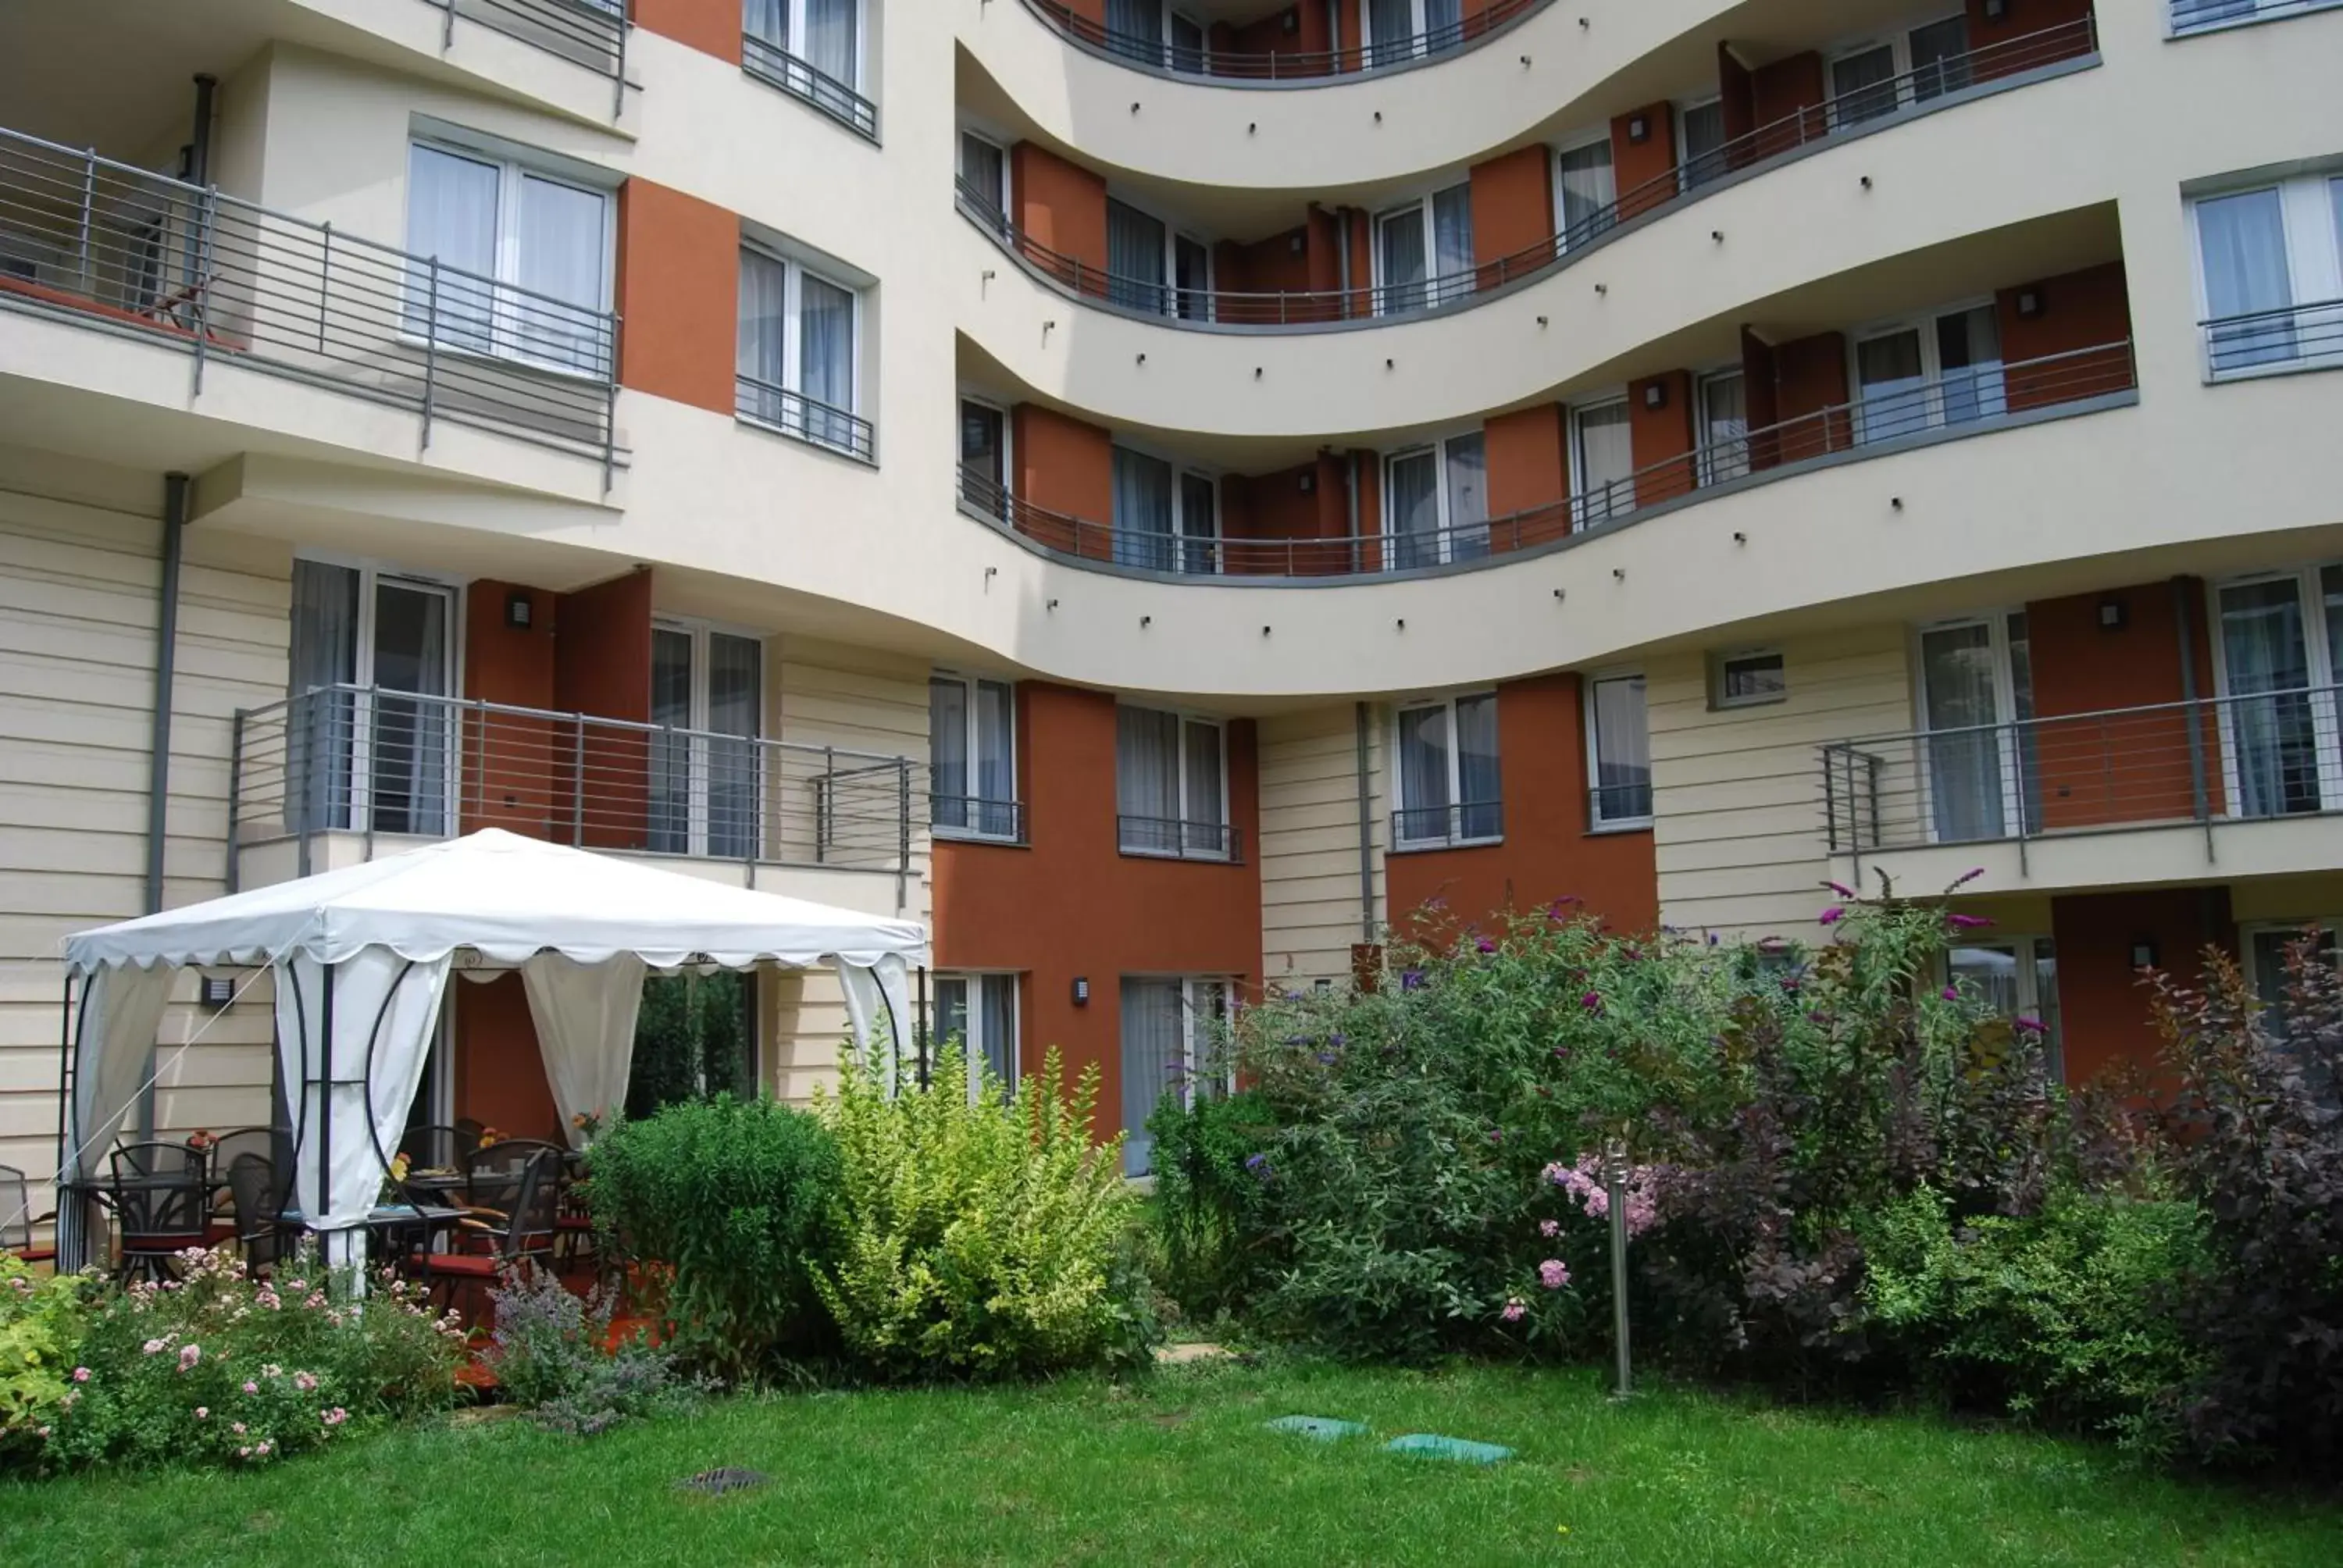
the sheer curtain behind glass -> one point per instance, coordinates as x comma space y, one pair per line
1606, 465
825, 360
1478, 788
996, 784
1147, 778
763, 335
734, 680
1204, 827
948, 731
1425, 814
1151, 1063
1391, 30
1724, 429
2273, 736
1623, 751
1468, 498
1400, 255
1589, 193
670, 759
1863, 86
406, 737
997, 1025
830, 46
1411, 483
1135, 28
1451, 242
2242, 239
1967, 784
557, 322
1135, 260
451, 215
321, 728
1893, 382
1142, 510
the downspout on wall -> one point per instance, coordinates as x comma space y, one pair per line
1366, 834
158, 768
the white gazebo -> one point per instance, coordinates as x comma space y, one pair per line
361, 957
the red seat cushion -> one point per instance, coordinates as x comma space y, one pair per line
572, 1223
466, 1263
35, 1254
162, 1241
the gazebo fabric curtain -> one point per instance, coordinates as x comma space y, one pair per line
125, 1005
584, 1016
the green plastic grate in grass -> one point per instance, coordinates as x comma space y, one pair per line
1427, 1446
1323, 1428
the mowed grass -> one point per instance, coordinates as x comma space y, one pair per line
1177, 1469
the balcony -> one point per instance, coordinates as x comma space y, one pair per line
801, 418
2272, 342
2210, 15
119, 249
771, 62
1456, 827
1172, 838
1193, 58
1888, 419
2229, 786
587, 33
1942, 83
341, 773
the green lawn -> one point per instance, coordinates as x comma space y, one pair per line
1178, 1469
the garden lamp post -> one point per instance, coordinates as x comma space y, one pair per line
1614, 1179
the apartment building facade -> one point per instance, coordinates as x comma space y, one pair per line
1165, 492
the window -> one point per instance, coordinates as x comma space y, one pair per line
1618, 752
1171, 785
2267, 948
2270, 275
1587, 192
1153, 34
984, 177
1400, 30
1700, 143
2017, 977
516, 261
1449, 787
1436, 502
980, 1010
2278, 647
1944, 369
1601, 463
1723, 428
972, 756
1165, 520
1424, 252
2199, 16
1879, 78
1976, 706
984, 457
1748, 679
1172, 1050
379, 758
826, 34
800, 338
707, 692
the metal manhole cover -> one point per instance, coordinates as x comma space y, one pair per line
716, 1482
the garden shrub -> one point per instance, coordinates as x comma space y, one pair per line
1208, 1199
2263, 1152
732, 1196
553, 1354
41, 1326
219, 1368
978, 1238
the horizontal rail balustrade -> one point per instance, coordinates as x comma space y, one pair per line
1908, 414
1239, 69
365, 760
1988, 67
223, 280
1464, 823
588, 33
1172, 838
2289, 338
777, 408
770, 61
2203, 16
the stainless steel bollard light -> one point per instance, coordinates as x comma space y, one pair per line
1614, 1179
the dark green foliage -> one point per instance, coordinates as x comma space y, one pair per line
1209, 1199
691, 1041
732, 1196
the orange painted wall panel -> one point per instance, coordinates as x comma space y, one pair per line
710, 27
602, 665
2102, 1007
1548, 852
1059, 206
1066, 466
1636, 164
1513, 213
1809, 391
508, 762
500, 1073
2079, 311
1662, 436
2115, 768
679, 292
1785, 98
1073, 905
1528, 454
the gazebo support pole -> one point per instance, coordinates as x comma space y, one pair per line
920, 1026
314, 1207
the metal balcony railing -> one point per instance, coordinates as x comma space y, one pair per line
1447, 827
1265, 67
116, 248
2257, 342
365, 760
2199, 16
769, 61
588, 33
789, 413
1624, 805
2235, 759
2010, 63
1172, 838
977, 817
1907, 413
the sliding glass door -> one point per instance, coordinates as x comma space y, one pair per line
1976, 706
372, 750
2281, 642
706, 692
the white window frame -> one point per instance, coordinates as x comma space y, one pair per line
1198, 995
797, 269
2310, 211
504, 337
975, 1043
1581, 511
2028, 949
999, 144
1563, 241
1932, 403
2007, 722
970, 684
697, 815
2249, 929
1897, 41
1227, 823
1598, 822
794, 48
1445, 541
1720, 671
2326, 721
360, 744
2253, 11
1437, 289
1184, 545
1684, 113
1455, 762
1007, 481
1714, 471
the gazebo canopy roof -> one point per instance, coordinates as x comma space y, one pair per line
505, 897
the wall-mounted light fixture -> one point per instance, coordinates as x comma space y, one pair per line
1639, 128
2114, 614
2143, 953
2029, 302
1081, 991
1308, 483
1994, 10
520, 610
1655, 393
216, 991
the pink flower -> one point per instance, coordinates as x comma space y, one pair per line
2027, 1024
1555, 1172
1549, 1227
1515, 1310
1841, 888
1966, 922
202, 1412
81, 1374
251, 1387
1592, 1001
1486, 945
237, 1427
1831, 916
189, 1355
334, 1417
1553, 1274
304, 1382
244, 1452
40, 1432
152, 1347
1952, 993
262, 1446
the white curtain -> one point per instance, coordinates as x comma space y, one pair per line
1135, 259
996, 785
1424, 742
1135, 28
1606, 463
2242, 239
349, 1095
1401, 259
1589, 190
1892, 385
825, 360
1150, 1063
735, 682
1966, 787
1863, 86
767, 20
560, 264
1147, 778
1203, 826
762, 336
1724, 429
2266, 658
1468, 497
585, 1016
1623, 751
122, 1006
324, 651
829, 41
1702, 153
1391, 30
1451, 242
1411, 502
1142, 510
451, 215
947, 772
1480, 790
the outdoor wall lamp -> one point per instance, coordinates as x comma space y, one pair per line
1994, 10
1655, 393
216, 991
1639, 128
2143, 953
518, 610
2029, 302
1081, 991
2113, 614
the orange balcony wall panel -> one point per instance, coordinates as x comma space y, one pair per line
1785, 105
2102, 1011
2038, 32
602, 667
2073, 312
1293, 522
1065, 466
1073, 906
2115, 767
710, 27
508, 761
1809, 391
1527, 452
1547, 853
499, 1072
1661, 436
1640, 167
678, 289
1512, 213
1736, 96
1062, 211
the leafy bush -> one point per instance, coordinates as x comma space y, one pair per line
2069, 1315
553, 1356
221, 1368
1208, 1199
976, 1237
692, 1040
2263, 1152
41, 1326
732, 1197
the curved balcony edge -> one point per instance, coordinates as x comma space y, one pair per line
1188, 64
